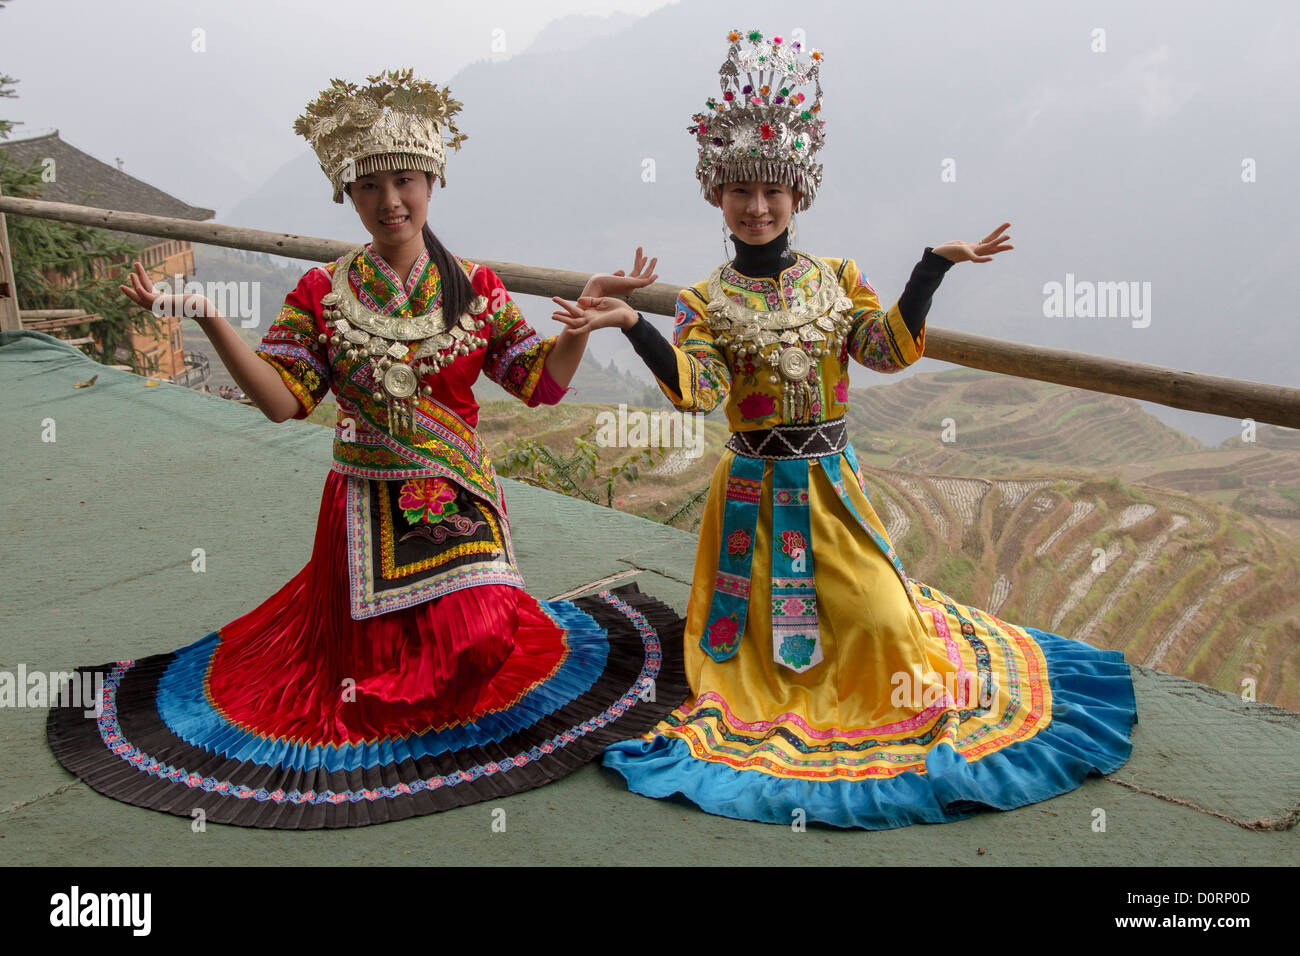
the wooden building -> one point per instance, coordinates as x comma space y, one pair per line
80, 178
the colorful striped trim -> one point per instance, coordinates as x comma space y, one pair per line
115, 739
743, 489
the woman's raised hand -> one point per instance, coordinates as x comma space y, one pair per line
143, 294
619, 283
591, 312
982, 251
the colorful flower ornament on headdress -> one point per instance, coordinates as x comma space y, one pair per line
762, 128
397, 122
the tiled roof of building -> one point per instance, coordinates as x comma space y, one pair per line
84, 180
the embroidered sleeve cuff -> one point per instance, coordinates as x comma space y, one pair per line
535, 370
907, 347
679, 392
547, 391
301, 393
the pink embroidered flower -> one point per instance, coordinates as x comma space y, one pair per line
427, 500
793, 607
757, 406
723, 632
792, 543
842, 391
738, 542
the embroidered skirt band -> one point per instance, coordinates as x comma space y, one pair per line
788, 442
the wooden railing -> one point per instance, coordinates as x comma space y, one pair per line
1212, 394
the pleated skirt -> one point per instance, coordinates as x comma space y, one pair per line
297, 716
921, 710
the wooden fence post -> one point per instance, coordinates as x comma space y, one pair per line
10, 319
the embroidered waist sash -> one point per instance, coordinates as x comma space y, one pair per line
796, 636
441, 444
788, 442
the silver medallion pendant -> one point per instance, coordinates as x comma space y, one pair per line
795, 364
399, 348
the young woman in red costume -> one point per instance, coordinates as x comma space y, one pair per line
404, 670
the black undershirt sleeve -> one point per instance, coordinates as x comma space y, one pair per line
914, 303
655, 350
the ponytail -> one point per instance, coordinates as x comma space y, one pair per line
456, 289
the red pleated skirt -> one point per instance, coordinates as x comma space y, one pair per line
329, 679
297, 716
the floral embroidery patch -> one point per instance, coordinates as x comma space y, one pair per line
756, 407
738, 542
797, 650
792, 543
723, 633
427, 500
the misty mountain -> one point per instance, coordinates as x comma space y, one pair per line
1122, 165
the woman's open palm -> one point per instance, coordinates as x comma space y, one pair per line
142, 293
590, 313
982, 251
620, 283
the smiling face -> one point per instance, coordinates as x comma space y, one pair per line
393, 206
757, 212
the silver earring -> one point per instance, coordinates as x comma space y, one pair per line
726, 234
794, 229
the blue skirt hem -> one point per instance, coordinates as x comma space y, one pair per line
1093, 713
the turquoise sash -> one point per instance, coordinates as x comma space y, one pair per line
796, 635
727, 612
796, 640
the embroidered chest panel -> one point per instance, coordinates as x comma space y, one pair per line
778, 332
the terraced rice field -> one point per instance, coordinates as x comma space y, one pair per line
1186, 583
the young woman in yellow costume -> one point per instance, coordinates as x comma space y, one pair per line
825, 683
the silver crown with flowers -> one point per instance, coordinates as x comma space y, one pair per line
762, 128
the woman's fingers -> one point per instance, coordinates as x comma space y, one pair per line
1000, 229
644, 267
568, 307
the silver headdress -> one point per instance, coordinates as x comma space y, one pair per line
397, 122
762, 128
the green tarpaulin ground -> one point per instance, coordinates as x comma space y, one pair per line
100, 526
